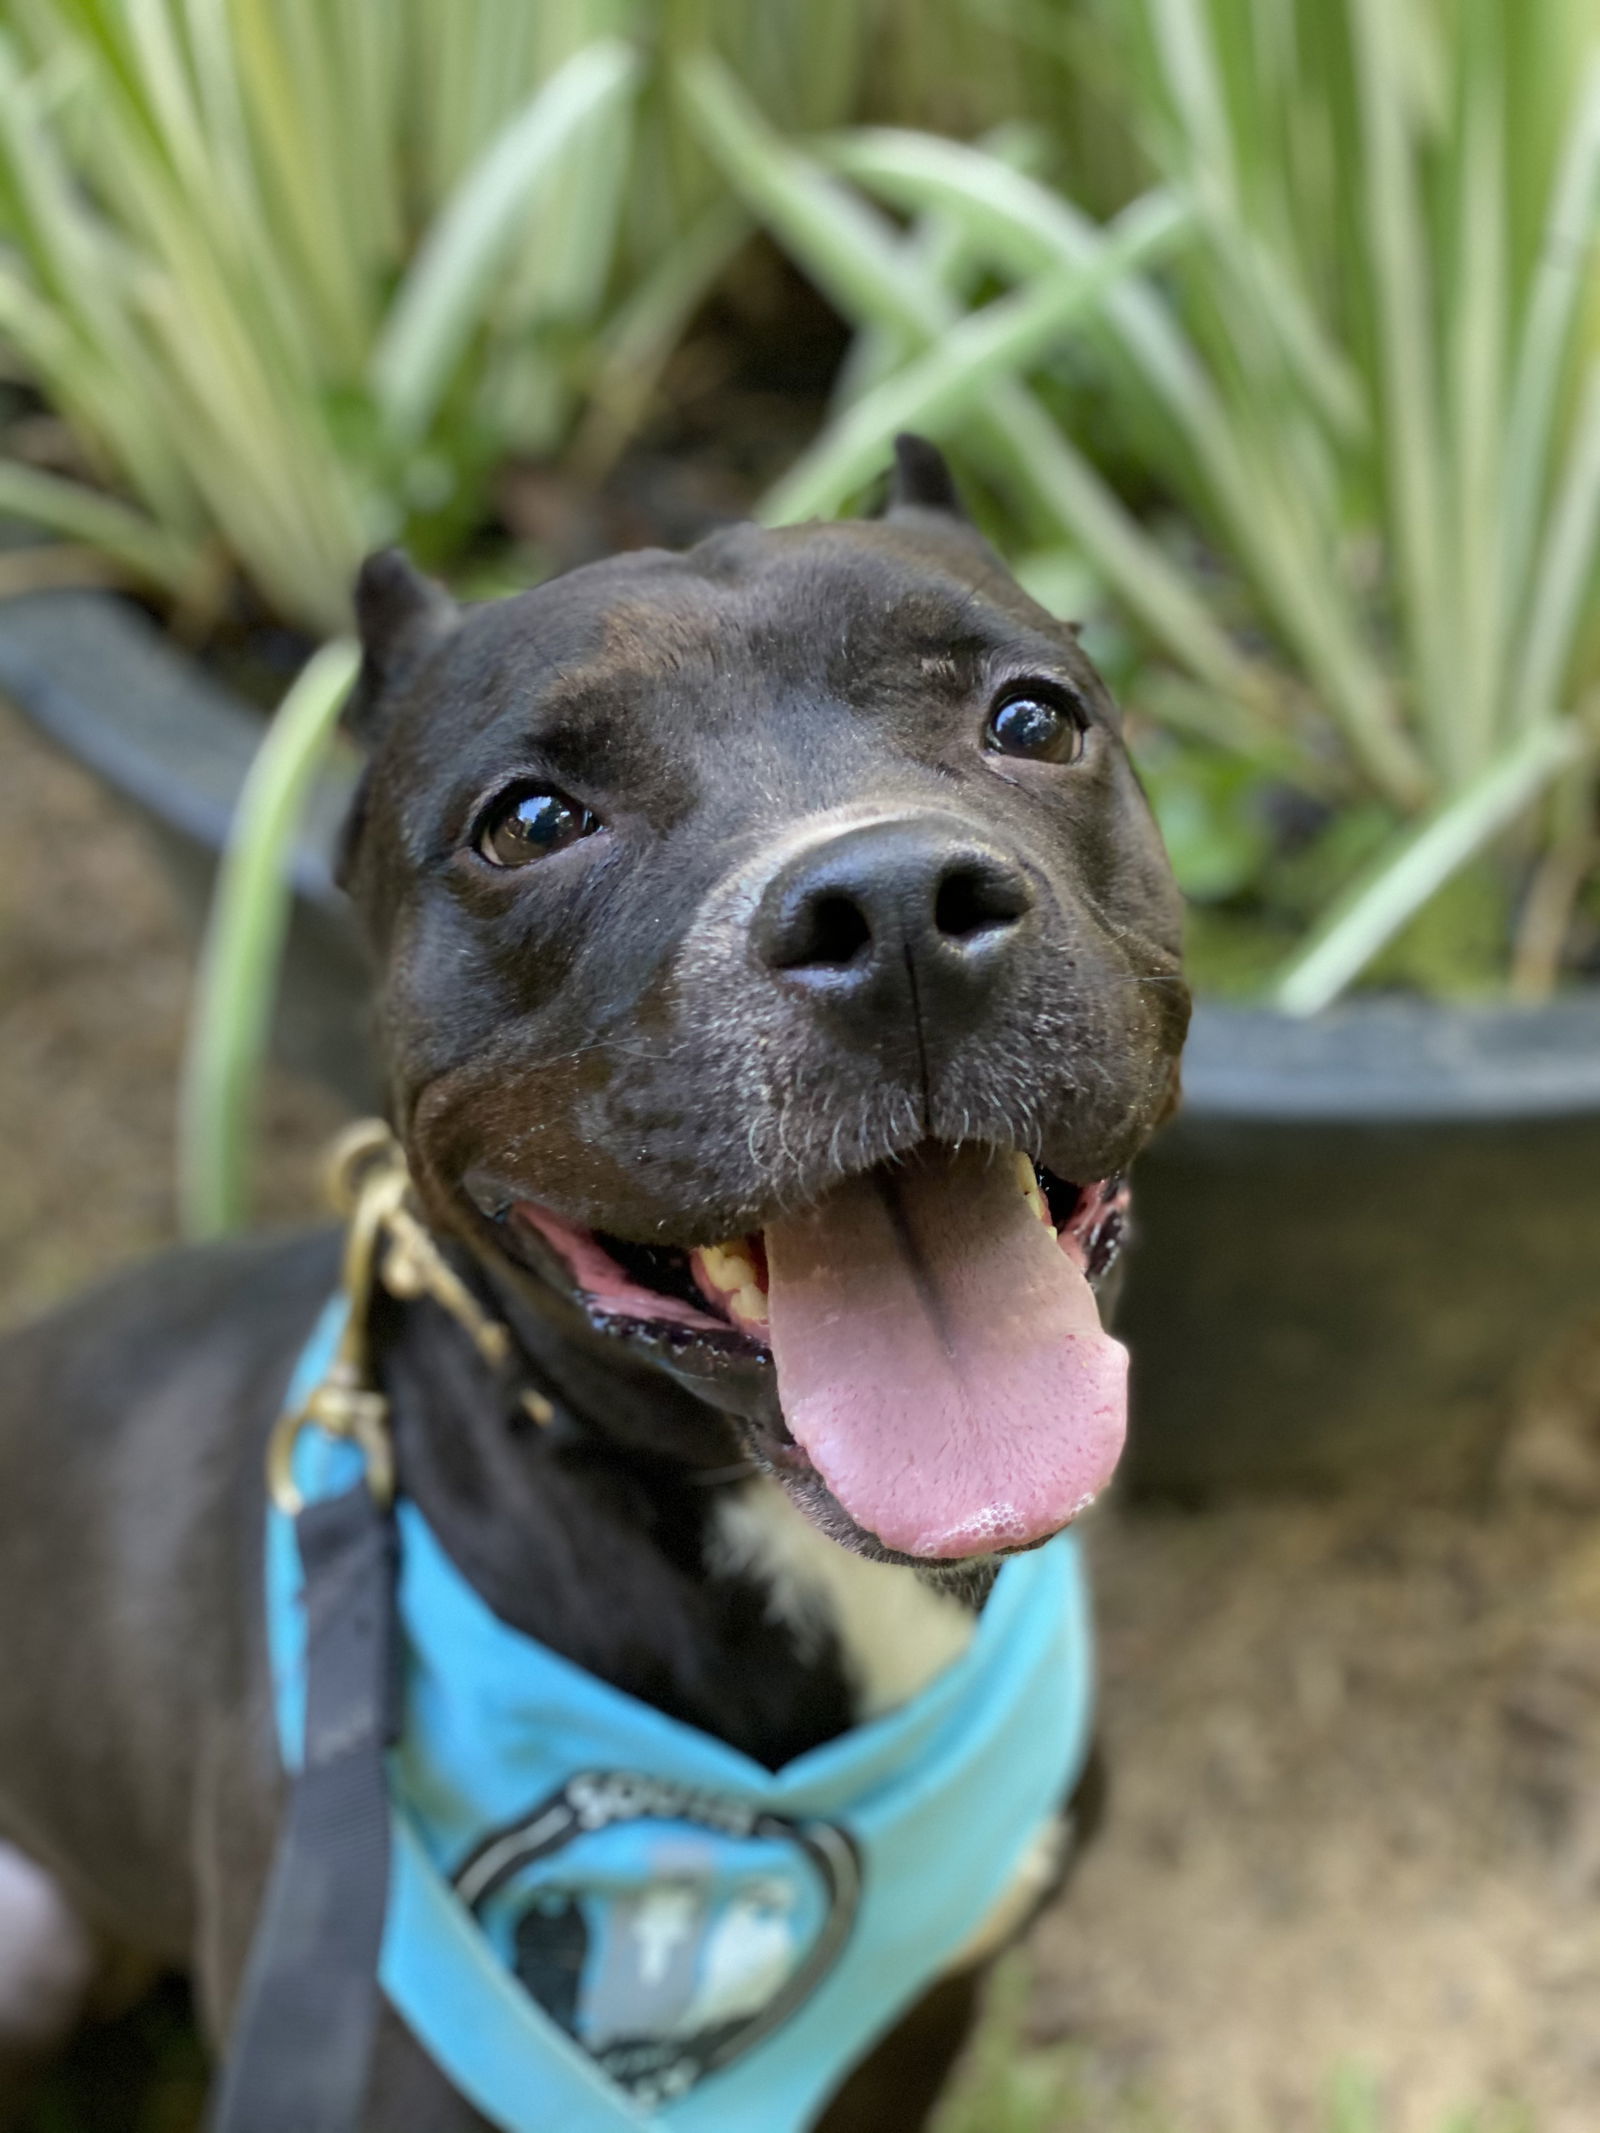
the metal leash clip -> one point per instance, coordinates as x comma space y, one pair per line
386, 1245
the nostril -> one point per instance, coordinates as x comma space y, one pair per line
832, 931
839, 930
978, 899
846, 918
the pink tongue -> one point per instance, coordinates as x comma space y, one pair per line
940, 1358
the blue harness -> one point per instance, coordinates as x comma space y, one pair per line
603, 1919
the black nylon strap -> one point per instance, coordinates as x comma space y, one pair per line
301, 2045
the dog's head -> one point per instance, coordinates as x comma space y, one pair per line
779, 967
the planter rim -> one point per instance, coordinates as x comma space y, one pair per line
1395, 1060
98, 678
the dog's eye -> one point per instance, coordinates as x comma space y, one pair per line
530, 823
1039, 719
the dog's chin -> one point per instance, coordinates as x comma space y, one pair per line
700, 1315
966, 1577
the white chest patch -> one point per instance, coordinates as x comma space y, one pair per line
894, 1634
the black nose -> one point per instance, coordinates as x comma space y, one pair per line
894, 921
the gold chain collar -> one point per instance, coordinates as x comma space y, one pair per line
387, 1245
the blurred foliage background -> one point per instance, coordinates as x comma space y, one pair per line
1265, 334
300, 277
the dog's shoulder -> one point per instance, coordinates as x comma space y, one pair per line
132, 1422
132, 1418
204, 1324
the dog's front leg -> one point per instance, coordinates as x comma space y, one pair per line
48, 1963
408, 2092
896, 2087
240, 1802
893, 2090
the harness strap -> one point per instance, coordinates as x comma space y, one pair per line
300, 2052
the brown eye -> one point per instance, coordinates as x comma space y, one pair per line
531, 823
1039, 719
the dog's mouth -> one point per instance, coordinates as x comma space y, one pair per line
941, 1368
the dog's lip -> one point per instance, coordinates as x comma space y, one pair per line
540, 1244
587, 1264
708, 1350
602, 1280
812, 1496
729, 1362
712, 1355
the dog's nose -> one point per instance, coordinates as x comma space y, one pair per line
910, 915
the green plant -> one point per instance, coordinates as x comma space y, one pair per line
286, 330
299, 278
236, 982
1361, 401
270, 381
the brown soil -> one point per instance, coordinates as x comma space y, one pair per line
1356, 1814
94, 978
1356, 1769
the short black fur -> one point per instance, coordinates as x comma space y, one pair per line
604, 1034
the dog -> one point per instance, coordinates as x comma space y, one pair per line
777, 967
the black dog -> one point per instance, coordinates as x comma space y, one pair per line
740, 917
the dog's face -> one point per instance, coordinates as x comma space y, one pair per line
779, 967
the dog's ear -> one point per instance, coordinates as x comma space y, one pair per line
402, 617
921, 481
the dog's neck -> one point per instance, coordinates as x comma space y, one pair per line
892, 1631
719, 1602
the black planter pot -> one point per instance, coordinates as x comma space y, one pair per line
98, 678
1357, 1235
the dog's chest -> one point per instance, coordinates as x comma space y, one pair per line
892, 1633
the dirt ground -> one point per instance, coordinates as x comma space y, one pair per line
1356, 1747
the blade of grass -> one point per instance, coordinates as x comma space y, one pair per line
78, 513
236, 983
81, 278
1571, 855
941, 251
851, 251
1419, 864
1031, 452
438, 303
284, 99
1562, 276
1239, 470
940, 388
1395, 263
1567, 570
1475, 335
854, 256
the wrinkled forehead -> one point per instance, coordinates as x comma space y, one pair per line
733, 630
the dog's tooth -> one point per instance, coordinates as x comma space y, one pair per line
725, 1267
729, 1271
1028, 1179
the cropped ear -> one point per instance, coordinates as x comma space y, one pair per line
402, 617
921, 481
